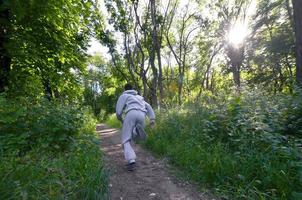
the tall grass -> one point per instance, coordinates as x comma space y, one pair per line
113, 122
49, 150
243, 147
76, 174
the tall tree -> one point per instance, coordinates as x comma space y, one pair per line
232, 14
46, 45
183, 43
297, 5
155, 50
272, 31
139, 30
157, 44
5, 59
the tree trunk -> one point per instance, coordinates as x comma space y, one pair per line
145, 94
160, 76
130, 63
289, 12
297, 6
152, 53
157, 47
290, 72
212, 85
180, 85
47, 89
5, 60
154, 81
236, 76
236, 59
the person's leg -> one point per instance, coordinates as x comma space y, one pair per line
129, 153
141, 134
134, 133
140, 126
128, 126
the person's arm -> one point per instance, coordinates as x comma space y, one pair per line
119, 107
150, 114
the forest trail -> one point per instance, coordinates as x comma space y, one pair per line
150, 180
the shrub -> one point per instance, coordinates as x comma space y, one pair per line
75, 174
238, 145
49, 151
25, 125
112, 121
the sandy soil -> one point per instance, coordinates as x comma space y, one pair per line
152, 178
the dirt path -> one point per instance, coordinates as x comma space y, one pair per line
150, 180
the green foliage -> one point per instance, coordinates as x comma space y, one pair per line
238, 145
101, 88
294, 113
113, 122
47, 147
76, 174
47, 43
48, 150
51, 125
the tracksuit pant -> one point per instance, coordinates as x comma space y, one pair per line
132, 118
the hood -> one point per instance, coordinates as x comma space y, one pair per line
133, 92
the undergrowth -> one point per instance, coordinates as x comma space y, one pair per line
113, 122
242, 147
49, 150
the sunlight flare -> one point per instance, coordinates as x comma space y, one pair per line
237, 34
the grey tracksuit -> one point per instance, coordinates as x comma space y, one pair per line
136, 110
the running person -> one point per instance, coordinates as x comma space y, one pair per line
136, 110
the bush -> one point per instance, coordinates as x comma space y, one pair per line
27, 124
293, 115
237, 145
76, 174
49, 150
113, 122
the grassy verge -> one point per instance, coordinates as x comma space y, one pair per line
75, 174
113, 122
241, 148
49, 150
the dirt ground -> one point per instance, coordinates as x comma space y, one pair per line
152, 178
